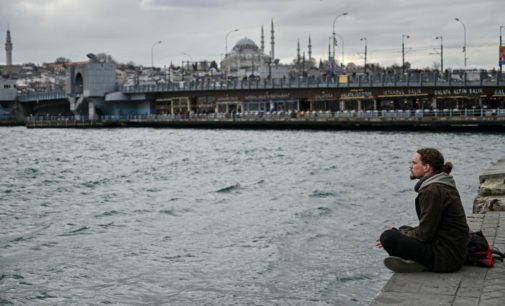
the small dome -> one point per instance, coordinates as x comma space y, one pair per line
245, 43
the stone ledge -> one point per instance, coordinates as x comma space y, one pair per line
491, 189
497, 170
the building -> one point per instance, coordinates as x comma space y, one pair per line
247, 60
8, 95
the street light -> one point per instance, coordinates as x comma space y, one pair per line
364, 39
226, 41
341, 39
500, 59
330, 41
464, 38
152, 54
441, 52
190, 58
403, 50
334, 39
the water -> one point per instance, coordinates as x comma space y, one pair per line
209, 217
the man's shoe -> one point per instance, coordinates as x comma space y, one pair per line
400, 265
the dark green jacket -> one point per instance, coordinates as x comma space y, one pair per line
442, 222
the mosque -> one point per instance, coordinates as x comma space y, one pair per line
247, 60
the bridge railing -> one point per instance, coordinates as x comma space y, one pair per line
419, 114
348, 81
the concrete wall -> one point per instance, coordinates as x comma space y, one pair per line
97, 79
8, 90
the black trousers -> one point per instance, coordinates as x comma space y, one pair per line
398, 244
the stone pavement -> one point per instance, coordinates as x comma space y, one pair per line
469, 286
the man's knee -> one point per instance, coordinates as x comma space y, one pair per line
387, 238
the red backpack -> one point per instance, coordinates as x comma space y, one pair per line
480, 252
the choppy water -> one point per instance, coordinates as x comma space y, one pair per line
206, 217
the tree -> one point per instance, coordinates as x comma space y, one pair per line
213, 64
105, 58
61, 60
130, 65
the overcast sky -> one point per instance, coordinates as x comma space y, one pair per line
43, 30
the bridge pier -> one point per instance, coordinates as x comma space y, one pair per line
434, 103
91, 109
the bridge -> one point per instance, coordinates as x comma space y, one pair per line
92, 93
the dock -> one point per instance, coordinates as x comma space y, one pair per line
469, 286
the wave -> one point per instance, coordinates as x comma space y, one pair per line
170, 212
109, 213
322, 194
314, 212
229, 188
79, 231
93, 184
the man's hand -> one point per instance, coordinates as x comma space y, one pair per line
378, 244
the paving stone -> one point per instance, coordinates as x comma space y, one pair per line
465, 301
399, 298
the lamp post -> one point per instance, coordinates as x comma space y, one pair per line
226, 41
464, 39
441, 53
364, 39
500, 59
334, 39
152, 52
342, 40
330, 40
403, 50
191, 61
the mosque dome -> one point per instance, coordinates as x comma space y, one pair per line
245, 43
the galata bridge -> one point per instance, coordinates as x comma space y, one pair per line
421, 100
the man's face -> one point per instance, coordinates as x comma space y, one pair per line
417, 168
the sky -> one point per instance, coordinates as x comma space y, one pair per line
128, 30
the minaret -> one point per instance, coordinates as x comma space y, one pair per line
262, 40
272, 42
298, 57
329, 51
8, 49
310, 49
303, 62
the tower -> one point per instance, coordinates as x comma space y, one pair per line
262, 40
8, 49
272, 42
